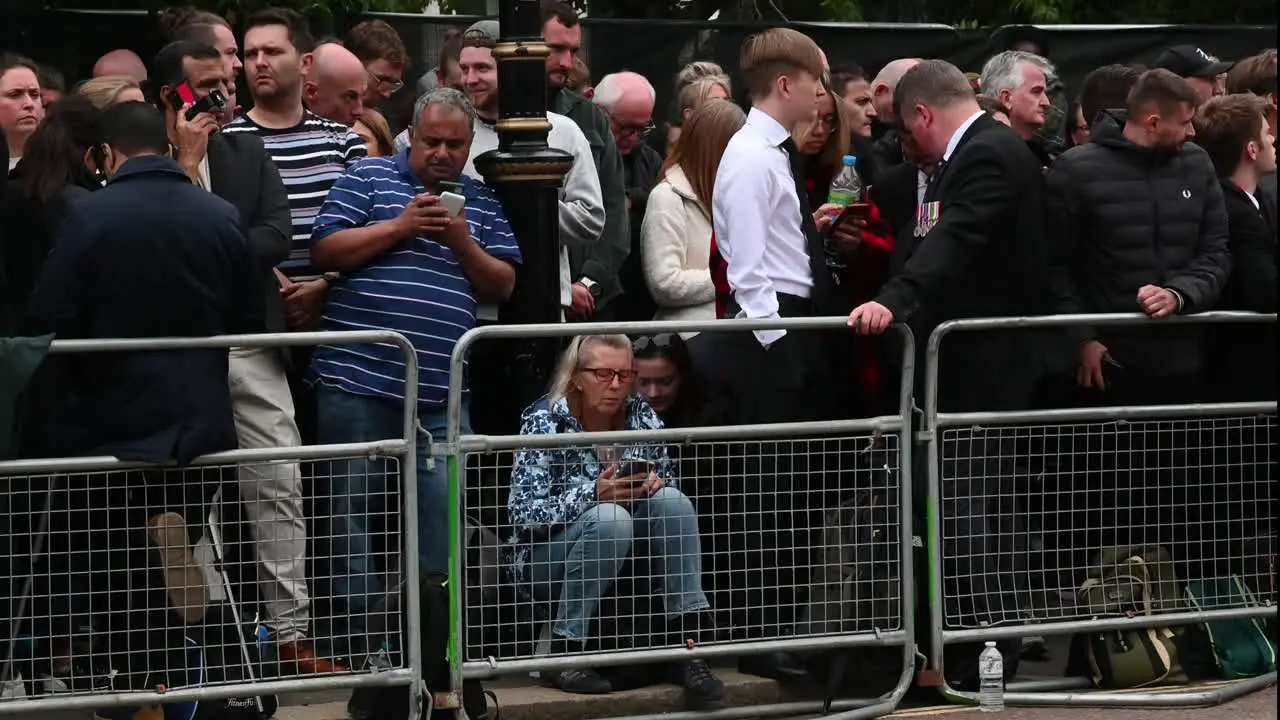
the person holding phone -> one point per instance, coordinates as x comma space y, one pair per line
577, 512
413, 261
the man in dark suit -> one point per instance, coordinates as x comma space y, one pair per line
148, 256
978, 246
234, 167
186, 259
237, 168
977, 250
1233, 129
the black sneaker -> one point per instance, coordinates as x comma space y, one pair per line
702, 689
584, 681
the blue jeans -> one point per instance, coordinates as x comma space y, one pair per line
584, 558
356, 495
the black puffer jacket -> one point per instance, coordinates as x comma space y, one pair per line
1122, 216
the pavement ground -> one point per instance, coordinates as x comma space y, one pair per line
519, 699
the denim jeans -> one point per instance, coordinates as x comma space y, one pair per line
356, 496
583, 559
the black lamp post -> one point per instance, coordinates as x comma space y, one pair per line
526, 174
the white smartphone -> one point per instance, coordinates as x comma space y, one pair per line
453, 202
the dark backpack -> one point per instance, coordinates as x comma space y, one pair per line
393, 703
856, 587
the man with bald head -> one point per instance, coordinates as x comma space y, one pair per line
888, 144
334, 84
627, 99
121, 62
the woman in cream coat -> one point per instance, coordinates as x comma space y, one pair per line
675, 240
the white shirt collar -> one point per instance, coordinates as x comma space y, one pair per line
767, 126
959, 133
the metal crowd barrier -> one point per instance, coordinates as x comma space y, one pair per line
1177, 477
714, 461
115, 492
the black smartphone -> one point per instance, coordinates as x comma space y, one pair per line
445, 186
630, 468
183, 95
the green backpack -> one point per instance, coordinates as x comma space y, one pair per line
1242, 646
1133, 581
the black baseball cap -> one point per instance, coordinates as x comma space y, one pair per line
1189, 61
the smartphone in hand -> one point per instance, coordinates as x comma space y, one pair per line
453, 202
639, 469
851, 212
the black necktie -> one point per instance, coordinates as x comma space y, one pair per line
813, 240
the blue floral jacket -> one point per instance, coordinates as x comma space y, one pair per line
551, 487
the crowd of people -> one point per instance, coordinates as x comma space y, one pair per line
146, 202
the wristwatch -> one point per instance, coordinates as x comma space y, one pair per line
592, 287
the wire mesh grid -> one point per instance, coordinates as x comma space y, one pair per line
1052, 523
138, 580
796, 537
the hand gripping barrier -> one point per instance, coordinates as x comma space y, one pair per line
35, 553
718, 470
1021, 504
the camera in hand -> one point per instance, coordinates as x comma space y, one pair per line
212, 102
183, 94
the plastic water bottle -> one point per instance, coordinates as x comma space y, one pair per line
991, 680
846, 189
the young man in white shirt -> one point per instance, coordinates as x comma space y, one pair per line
763, 226
776, 268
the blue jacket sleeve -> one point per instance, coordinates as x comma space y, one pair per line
541, 496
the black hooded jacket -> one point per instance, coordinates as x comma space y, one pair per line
1122, 216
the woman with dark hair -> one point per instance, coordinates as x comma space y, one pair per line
58, 166
667, 379
21, 106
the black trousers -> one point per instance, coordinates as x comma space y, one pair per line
96, 582
778, 502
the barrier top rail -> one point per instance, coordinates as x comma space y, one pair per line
935, 419
648, 327
218, 342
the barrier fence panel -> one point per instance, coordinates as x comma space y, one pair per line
769, 522
130, 584
1034, 515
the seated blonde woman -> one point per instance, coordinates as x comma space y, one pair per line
110, 90
578, 512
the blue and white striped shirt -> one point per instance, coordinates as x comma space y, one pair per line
310, 157
417, 289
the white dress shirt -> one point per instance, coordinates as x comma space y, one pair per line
581, 202
756, 215
959, 133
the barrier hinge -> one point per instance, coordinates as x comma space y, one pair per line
924, 436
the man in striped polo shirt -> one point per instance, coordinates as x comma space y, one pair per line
310, 154
309, 151
408, 267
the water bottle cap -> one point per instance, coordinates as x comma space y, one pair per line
991, 643
850, 160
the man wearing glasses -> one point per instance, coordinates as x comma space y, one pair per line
380, 48
628, 100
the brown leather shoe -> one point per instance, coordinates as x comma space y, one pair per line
302, 654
